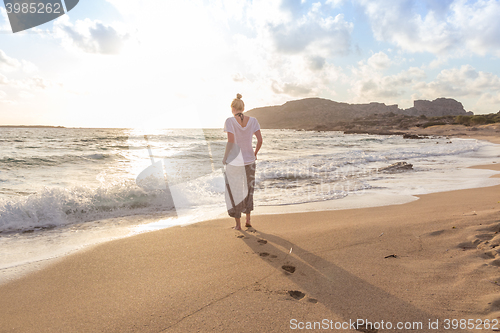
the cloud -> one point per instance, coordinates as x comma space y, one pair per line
461, 82
3, 79
489, 100
291, 89
33, 83
238, 77
379, 61
11, 65
89, 36
38, 83
294, 7
4, 20
313, 32
316, 63
444, 28
7, 63
17, 84
289, 47
399, 23
373, 66
335, 3
479, 25
370, 84
439, 7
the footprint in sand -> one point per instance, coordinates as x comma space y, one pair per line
472, 244
489, 254
262, 241
296, 294
485, 241
265, 254
288, 268
485, 237
494, 227
437, 233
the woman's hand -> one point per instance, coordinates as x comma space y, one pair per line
259, 143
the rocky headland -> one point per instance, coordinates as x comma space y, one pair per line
374, 118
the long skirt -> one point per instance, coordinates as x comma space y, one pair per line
240, 182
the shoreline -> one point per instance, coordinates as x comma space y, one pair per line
365, 199
489, 133
425, 260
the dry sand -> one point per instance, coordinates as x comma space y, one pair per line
489, 132
432, 259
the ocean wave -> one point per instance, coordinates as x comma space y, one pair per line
61, 206
53, 160
100, 139
317, 165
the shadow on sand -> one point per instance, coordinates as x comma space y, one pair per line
343, 293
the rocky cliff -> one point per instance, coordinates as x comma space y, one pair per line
437, 108
312, 113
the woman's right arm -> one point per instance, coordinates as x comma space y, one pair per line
229, 146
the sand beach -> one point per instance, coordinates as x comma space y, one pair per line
415, 266
128, 132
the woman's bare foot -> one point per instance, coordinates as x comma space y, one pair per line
238, 224
248, 224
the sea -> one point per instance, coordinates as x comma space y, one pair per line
65, 189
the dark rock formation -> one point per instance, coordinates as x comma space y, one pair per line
413, 136
437, 108
397, 167
324, 114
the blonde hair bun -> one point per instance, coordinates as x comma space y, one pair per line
238, 103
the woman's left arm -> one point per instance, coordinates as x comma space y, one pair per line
258, 135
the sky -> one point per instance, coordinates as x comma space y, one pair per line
169, 64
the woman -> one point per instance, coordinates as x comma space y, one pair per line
240, 161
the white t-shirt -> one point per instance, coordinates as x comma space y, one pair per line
243, 138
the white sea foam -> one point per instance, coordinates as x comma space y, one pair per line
53, 207
295, 168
